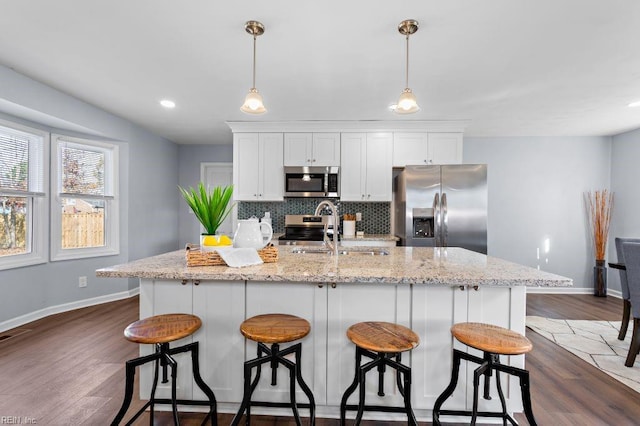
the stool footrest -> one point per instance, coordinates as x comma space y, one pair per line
469, 413
382, 408
278, 404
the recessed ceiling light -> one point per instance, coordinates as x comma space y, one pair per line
167, 103
635, 104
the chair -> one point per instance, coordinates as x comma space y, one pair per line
160, 330
493, 341
383, 343
626, 309
631, 253
275, 329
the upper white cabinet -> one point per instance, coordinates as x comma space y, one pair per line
427, 148
312, 149
366, 166
258, 166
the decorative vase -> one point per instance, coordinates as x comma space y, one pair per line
600, 279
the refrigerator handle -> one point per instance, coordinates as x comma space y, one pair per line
445, 224
436, 213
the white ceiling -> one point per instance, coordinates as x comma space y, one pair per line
512, 67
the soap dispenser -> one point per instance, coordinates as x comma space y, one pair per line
267, 218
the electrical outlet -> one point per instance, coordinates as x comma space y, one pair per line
82, 281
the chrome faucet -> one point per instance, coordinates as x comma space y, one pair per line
334, 214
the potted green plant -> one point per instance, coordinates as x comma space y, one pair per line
210, 207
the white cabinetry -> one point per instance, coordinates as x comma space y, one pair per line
258, 166
308, 301
220, 306
352, 303
312, 149
434, 311
426, 148
366, 166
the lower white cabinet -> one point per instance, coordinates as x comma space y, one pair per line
307, 301
220, 306
434, 311
328, 357
349, 304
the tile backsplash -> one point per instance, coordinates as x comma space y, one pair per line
375, 216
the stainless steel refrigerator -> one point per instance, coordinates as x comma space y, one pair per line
441, 206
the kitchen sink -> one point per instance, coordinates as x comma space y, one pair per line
366, 252
311, 250
342, 251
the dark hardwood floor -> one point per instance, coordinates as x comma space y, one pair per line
68, 369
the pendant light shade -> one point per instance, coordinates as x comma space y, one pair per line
407, 103
253, 103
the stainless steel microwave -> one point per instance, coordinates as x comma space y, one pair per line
306, 181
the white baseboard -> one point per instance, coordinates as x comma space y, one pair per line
569, 290
51, 310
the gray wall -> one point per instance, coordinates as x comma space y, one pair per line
536, 188
148, 212
625, 183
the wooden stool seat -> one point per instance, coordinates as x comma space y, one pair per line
275, 328
383, 337
491, 338
162, 328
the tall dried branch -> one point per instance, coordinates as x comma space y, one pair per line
600, 206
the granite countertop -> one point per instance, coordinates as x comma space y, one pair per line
403, 265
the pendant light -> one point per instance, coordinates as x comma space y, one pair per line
253, 102
407, 103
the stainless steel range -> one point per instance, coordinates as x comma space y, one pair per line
302, 229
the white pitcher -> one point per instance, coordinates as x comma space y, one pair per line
249, 234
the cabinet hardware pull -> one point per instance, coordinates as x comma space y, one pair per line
461, 288
333, 285
475, 287
320, 285
184, 282
196, 282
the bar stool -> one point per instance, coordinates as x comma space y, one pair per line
160, 330
384, 343
275, 329
493, 341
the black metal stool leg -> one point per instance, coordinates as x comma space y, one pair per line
362, 374
174, 378
195, 366
503, 401
130, 372
303, 385
248, 390
455, 372
352, 387
526, 397
152, 395
477, 373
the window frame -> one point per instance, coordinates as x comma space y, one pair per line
111, 199
38, 221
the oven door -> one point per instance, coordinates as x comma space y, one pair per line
305, 182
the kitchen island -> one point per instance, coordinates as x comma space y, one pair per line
425, 289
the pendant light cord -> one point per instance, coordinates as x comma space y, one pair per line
254, 61
407, 73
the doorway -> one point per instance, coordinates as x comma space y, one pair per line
219, 174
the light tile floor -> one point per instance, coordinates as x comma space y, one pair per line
595, 342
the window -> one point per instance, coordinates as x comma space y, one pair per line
84, 210
23, 198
